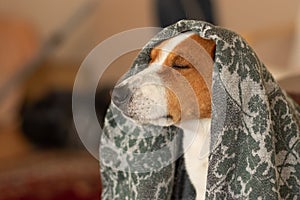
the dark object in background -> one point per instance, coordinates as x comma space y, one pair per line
48, 121
102, 101
171, 11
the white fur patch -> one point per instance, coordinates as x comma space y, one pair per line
196, 149
149, 105
169, 46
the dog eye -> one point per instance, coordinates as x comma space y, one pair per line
180, 66
180, 63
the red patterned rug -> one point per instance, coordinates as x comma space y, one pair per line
51, 176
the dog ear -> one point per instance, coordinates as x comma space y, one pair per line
207, 44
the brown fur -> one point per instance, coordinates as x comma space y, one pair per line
187, 49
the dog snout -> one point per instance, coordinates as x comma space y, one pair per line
120, 95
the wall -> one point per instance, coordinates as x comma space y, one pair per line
268, 25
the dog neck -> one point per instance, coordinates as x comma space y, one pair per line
196, 140
197, 131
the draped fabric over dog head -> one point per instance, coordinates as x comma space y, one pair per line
255, 134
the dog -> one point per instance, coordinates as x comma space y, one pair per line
173, 89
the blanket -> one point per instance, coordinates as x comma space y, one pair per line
254, 143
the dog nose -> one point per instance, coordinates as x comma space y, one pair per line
120, 95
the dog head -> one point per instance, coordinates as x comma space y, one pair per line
173, 87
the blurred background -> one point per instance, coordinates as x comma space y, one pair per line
43, 43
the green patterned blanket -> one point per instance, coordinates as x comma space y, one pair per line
255, 134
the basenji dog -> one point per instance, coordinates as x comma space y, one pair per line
175, 88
